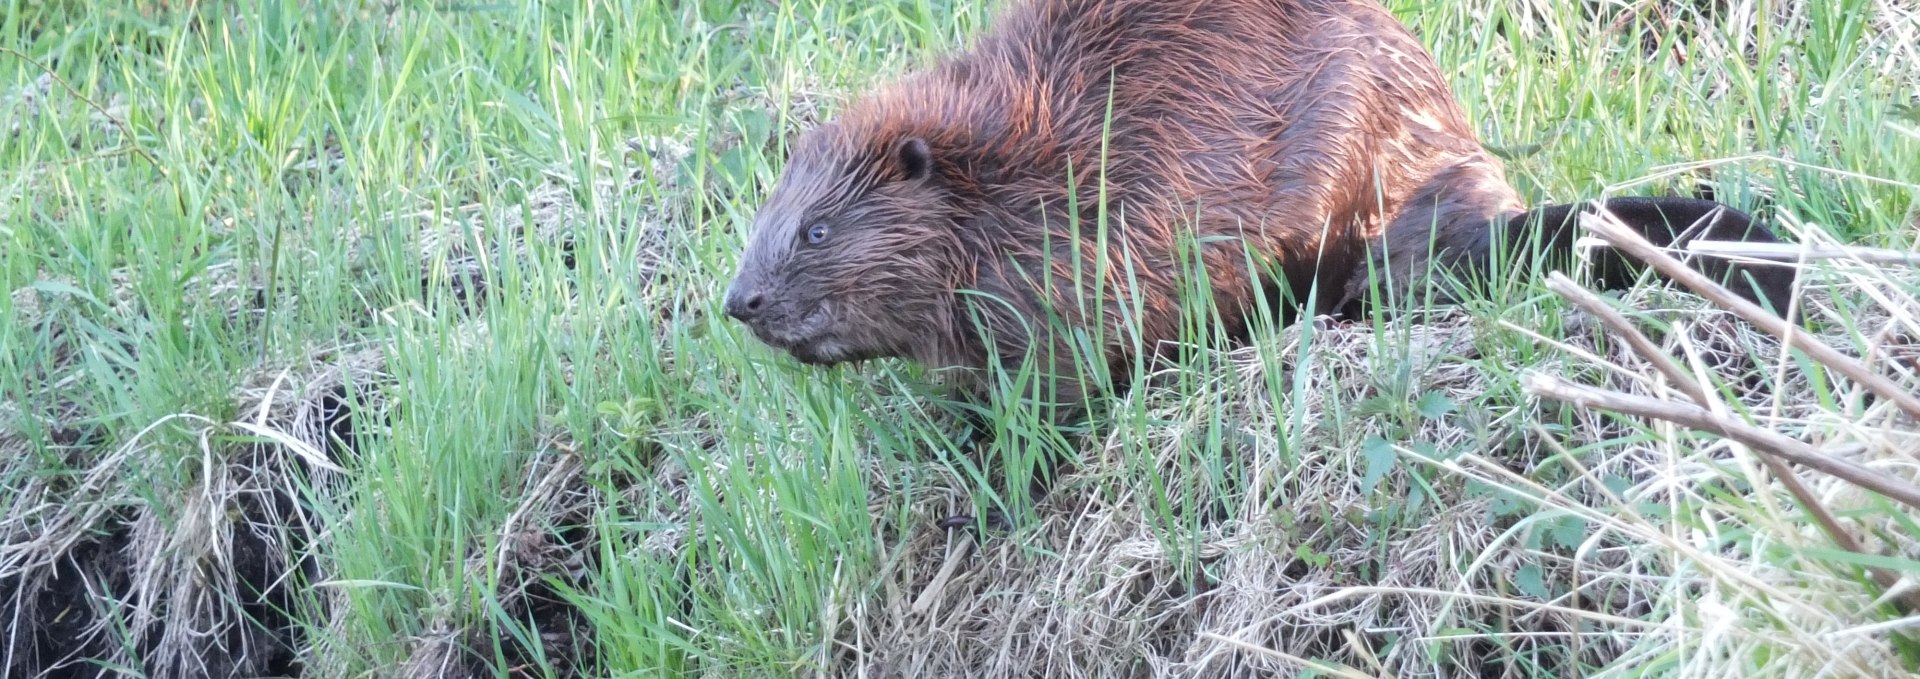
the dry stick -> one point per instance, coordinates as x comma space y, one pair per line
1695, 417
1591, 303
1788, 252
1830, 524
1608, 227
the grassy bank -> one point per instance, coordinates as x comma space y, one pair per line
383, 339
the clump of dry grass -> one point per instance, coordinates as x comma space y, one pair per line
1292, 566
1104, 590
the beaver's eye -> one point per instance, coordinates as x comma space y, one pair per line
817, 233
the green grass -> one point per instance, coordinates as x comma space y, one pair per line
294, 188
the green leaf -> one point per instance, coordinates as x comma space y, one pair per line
1434, 405
1305, 553
1532, 581
1374, 405
1379, 456
1843, 556
59, 288
1568, 531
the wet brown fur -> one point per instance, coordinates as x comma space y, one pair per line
1293, 134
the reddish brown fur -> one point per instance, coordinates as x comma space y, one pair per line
1291, 132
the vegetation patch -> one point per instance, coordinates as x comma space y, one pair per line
384, 339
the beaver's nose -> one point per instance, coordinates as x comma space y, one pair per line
745, 304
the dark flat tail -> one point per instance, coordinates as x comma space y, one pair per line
1666, 222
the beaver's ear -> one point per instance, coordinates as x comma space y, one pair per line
916, 160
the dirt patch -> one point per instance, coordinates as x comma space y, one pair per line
208, 578
62, 600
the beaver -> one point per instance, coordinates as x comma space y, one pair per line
1087, 171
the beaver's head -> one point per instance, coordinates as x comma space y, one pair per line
854, 255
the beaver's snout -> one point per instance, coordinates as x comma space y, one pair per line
745, 302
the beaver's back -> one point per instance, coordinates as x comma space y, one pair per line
1286, 132
1273, 120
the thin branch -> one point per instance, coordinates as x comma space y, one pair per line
1789, 252
133, 142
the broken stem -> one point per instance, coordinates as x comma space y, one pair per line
1591, 303
1694, 417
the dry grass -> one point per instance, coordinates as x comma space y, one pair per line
1096, 590
176, 561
